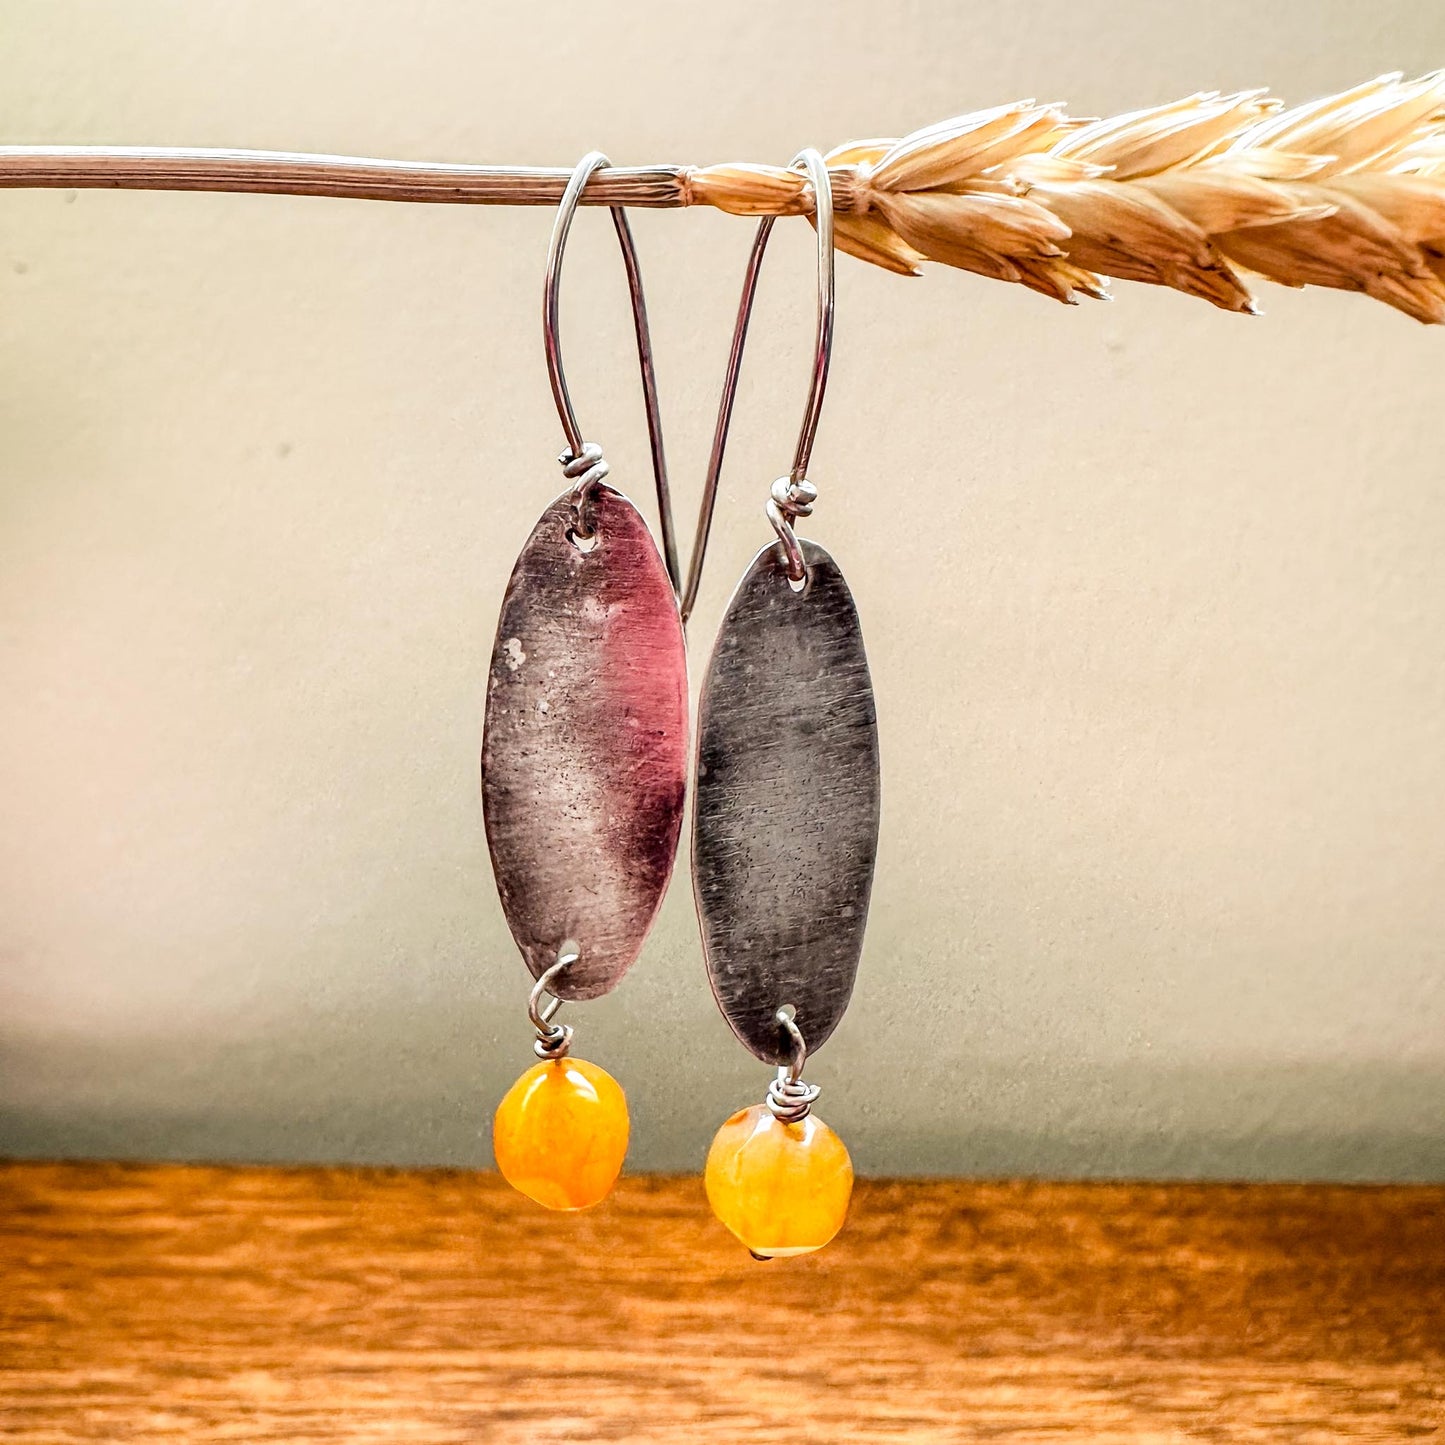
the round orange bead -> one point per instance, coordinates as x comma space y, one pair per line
560, 1134
783, 1189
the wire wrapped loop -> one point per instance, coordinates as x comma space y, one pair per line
586, 470
554, 1041
791, 498
790, 1099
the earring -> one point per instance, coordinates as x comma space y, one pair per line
584, 767
785, 823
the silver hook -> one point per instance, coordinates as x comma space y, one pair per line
553, 1040
787, 1018
798, 493
582, 461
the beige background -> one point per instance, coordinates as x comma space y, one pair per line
1154, 597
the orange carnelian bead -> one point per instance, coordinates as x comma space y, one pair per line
560, 1134
783, 1189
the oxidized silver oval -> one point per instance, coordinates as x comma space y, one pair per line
584, 752
786, 803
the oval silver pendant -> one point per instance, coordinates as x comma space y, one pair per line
584, 752
786, 803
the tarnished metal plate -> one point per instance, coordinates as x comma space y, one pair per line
584, 754
785, 823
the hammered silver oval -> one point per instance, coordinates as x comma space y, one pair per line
786, 803
584, 751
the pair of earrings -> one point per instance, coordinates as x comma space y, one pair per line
584, 776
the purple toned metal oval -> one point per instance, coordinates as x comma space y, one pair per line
786, 803
584, 753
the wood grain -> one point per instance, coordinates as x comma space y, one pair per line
207, 1304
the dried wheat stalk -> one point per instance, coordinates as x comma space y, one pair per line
1347, 192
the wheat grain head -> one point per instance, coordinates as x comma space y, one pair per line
1346, 192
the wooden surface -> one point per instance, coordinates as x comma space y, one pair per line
199, 1304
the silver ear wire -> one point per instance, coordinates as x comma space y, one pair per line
797, 493
582, 461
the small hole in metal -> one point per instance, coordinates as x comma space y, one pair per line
583, 542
